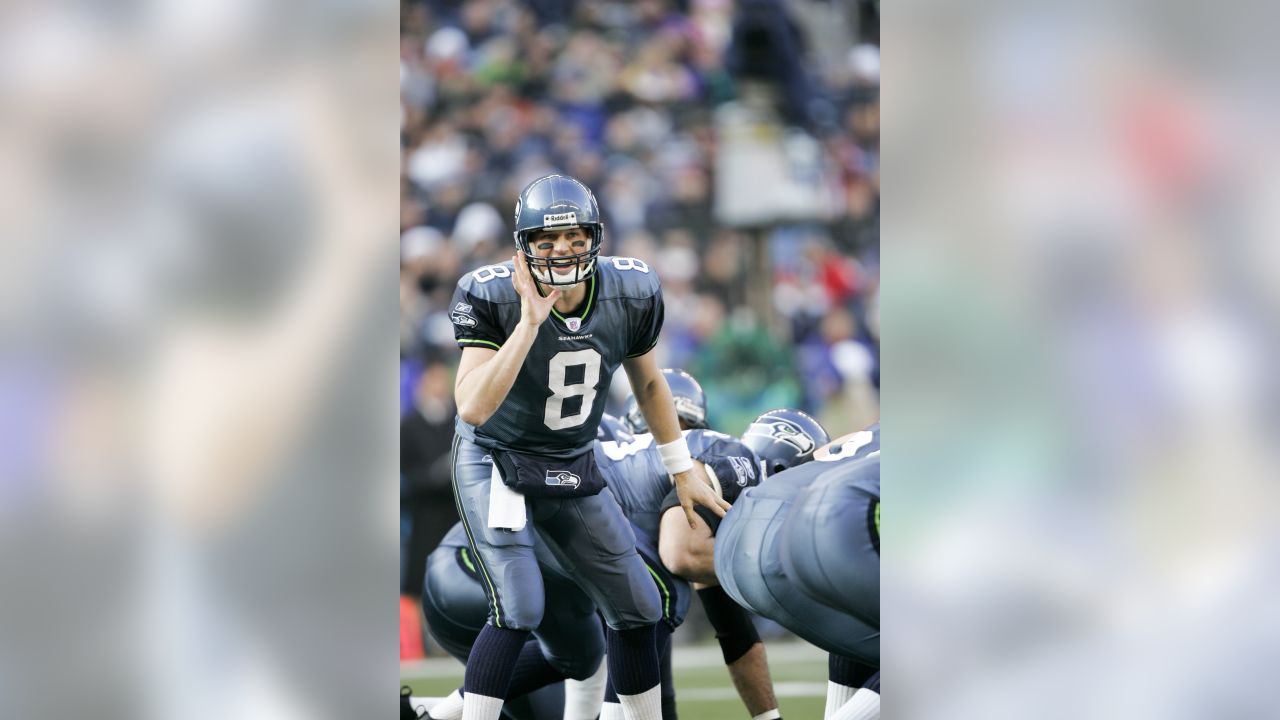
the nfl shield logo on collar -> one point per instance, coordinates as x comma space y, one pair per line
573, 323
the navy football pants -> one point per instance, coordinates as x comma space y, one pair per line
589, 537
749, 567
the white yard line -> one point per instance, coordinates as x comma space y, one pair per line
781, 689
702, 656
787, 651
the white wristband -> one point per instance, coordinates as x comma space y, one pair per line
675, 456
768, 715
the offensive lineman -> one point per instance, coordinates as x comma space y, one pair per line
541, 337
840, 508
773, 553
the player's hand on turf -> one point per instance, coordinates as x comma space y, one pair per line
534, 307
694, 488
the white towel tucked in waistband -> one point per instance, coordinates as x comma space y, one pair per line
506, 506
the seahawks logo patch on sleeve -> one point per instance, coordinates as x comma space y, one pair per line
462, 315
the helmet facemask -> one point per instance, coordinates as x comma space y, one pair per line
690, 412
583, 264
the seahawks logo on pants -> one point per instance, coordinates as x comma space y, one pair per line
563, 477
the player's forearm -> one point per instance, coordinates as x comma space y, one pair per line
653, 396
743, 652
483, 389
751, 678
659, 409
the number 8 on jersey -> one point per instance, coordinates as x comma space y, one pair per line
562, 390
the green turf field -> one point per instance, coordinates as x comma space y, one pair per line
703, 688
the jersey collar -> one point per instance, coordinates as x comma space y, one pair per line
589, 303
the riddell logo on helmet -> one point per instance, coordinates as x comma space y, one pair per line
569, 218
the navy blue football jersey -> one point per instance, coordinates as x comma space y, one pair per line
855, 445
554, 407
840, 452
639, 481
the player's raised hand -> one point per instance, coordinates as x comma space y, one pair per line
534, 306
693, 487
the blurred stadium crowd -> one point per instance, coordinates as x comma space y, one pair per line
625, 96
